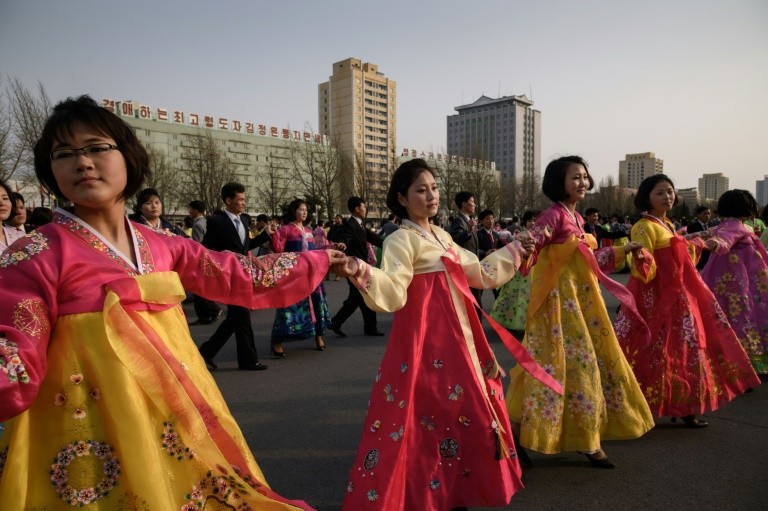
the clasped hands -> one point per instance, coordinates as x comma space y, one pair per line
342, 265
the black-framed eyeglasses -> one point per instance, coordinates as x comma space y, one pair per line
64, 155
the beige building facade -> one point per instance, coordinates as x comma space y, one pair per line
712, 186
258, 154
636, 167
357, 112
689, 195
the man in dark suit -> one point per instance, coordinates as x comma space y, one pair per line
703, 216
463, 230
207, 311
354, 235
228, 230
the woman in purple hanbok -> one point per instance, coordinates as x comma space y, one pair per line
737, 273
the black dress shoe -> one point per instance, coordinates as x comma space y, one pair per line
598, 462
209, 363
374, 333
258, 366
691, 421
279, 354
337, 330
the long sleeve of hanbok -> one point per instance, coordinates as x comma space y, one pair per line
726, 236
644, 268
28, 309
385, 289
246, 280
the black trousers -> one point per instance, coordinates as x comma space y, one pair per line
204, 308
353, 301
238, 322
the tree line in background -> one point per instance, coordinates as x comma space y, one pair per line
300, 169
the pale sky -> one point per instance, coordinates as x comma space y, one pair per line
687, 80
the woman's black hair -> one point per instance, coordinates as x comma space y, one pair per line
553, 184
643, 197
290, 213
84, 110
402, 179
529, 215
738, 204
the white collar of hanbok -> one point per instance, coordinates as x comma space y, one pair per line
131, 233
431, 237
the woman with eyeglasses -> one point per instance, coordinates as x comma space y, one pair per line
105, 395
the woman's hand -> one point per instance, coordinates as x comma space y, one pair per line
527, 242
634, 247
335, 257
339, 246
348, 268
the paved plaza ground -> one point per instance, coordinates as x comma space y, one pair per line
303, 417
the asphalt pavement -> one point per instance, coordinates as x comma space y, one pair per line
302, 419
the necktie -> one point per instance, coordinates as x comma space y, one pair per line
240, 230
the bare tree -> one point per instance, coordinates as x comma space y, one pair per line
10, 158
165, 178
206, 169
273, 187
317, 169
28, 113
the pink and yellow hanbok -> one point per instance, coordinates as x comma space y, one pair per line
436, 435
693, 362
108, 404
569, 334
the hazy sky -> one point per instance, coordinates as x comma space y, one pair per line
687, 80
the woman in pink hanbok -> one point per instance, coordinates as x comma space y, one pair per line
436, 435
108, 403
694, 362
737, 273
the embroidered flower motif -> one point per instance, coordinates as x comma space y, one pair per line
220, 491
172, 443
24, 249
434, 484
210, 267
372, 495
437, 363
82, 449
403, 367
427, 424
449, 448
10, 362
31, 317
401, 404
371, 459
375, 426
350, 487
397, 435
458, 390
570, 305
464, 420
388, 393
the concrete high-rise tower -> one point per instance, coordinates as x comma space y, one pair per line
636, 167
505, 130
357, 111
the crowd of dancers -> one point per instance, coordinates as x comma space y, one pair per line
109, 404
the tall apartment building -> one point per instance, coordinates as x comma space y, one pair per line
357, 111
636, 167
506, 130
712, 186
761, 191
